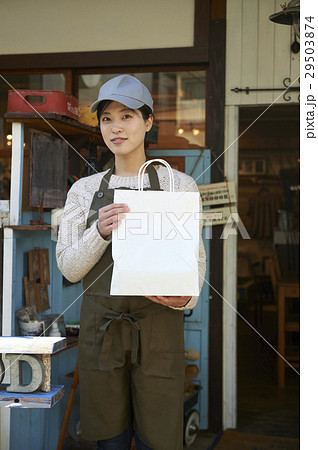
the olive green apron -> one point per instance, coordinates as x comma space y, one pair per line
131, 356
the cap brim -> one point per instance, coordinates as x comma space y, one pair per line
127, 101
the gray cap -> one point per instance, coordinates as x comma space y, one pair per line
124, 89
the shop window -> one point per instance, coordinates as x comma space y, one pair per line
179, 105
35, 81
252, 166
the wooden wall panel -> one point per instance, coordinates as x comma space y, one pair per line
282, 53
258, 53
294, 67
233, 50
265, 67
249, 47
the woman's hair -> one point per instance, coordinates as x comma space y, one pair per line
101, 106
145, 110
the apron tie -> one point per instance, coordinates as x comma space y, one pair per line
135, 334
111, 315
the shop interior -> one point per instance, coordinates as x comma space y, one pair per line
268, 205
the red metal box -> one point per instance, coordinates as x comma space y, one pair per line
56, 102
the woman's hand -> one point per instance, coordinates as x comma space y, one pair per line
174, 301
110, 217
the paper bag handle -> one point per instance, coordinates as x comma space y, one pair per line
143, 168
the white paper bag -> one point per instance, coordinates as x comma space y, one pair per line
155, 249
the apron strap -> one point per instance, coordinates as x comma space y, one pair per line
106, 177
153, 178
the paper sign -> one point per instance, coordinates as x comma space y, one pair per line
217, 216
218, 193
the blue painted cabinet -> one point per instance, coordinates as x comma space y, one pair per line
37, 429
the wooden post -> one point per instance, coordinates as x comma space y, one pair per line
16, 173
230, 280
9, 244
7, 321
215, 137
15, 219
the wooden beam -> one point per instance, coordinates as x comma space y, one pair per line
114, 59
201, 23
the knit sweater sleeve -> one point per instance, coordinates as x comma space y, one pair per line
78, 249
185, 183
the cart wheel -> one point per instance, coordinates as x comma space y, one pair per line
191, 426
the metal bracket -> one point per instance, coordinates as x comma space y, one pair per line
286, 88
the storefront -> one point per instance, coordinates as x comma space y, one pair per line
175, 65
192, 55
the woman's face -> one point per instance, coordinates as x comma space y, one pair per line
123, 129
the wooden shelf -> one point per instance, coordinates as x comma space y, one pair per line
34, 345
71, 341
37, 399
64, 125
57, 124
29, 227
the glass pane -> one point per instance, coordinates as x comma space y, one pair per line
179, 105
40, 81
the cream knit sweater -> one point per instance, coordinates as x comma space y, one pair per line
79, 249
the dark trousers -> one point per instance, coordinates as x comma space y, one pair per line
121, 442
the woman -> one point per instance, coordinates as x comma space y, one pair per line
131, 350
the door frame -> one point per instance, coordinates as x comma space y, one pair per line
230, 278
